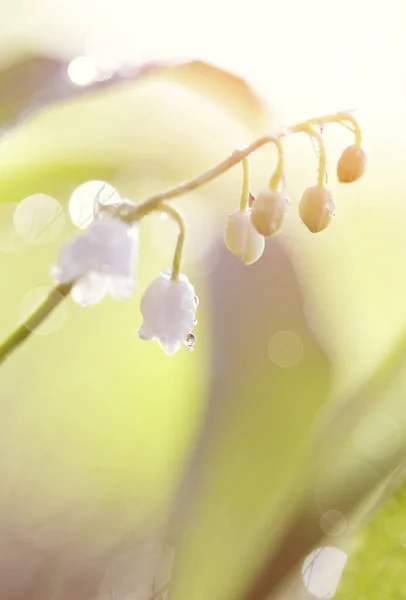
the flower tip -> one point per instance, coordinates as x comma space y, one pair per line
169, 347
144, 334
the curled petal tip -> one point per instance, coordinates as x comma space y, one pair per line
170, 348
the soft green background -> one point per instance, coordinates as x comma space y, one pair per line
106, 441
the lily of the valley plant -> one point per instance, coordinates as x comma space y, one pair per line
102, 259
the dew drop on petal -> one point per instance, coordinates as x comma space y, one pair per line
190, 341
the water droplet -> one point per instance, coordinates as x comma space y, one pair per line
190, 341
196, 299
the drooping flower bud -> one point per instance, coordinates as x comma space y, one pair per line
352, 164
267, 212
241, 238
316, 208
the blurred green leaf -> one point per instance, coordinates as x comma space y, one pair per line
354, 446
269, 379
376, 565
123, 134
357, 445
34, 82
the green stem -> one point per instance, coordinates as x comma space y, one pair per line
245, 191
321, 177
177, 257
34, 320
238, 155
147, 207
357, 128
280, 167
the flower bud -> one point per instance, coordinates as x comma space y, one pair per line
316, 208
352, 164
267, 212
242, 239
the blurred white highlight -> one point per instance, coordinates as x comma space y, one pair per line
322, 570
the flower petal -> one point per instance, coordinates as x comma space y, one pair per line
90, 290
121, 288
73, 260
146, 333
113, 246
170, 347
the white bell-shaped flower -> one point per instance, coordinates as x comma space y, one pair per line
168, 308
100, 261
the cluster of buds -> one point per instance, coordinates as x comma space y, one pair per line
102, 259
262, 216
